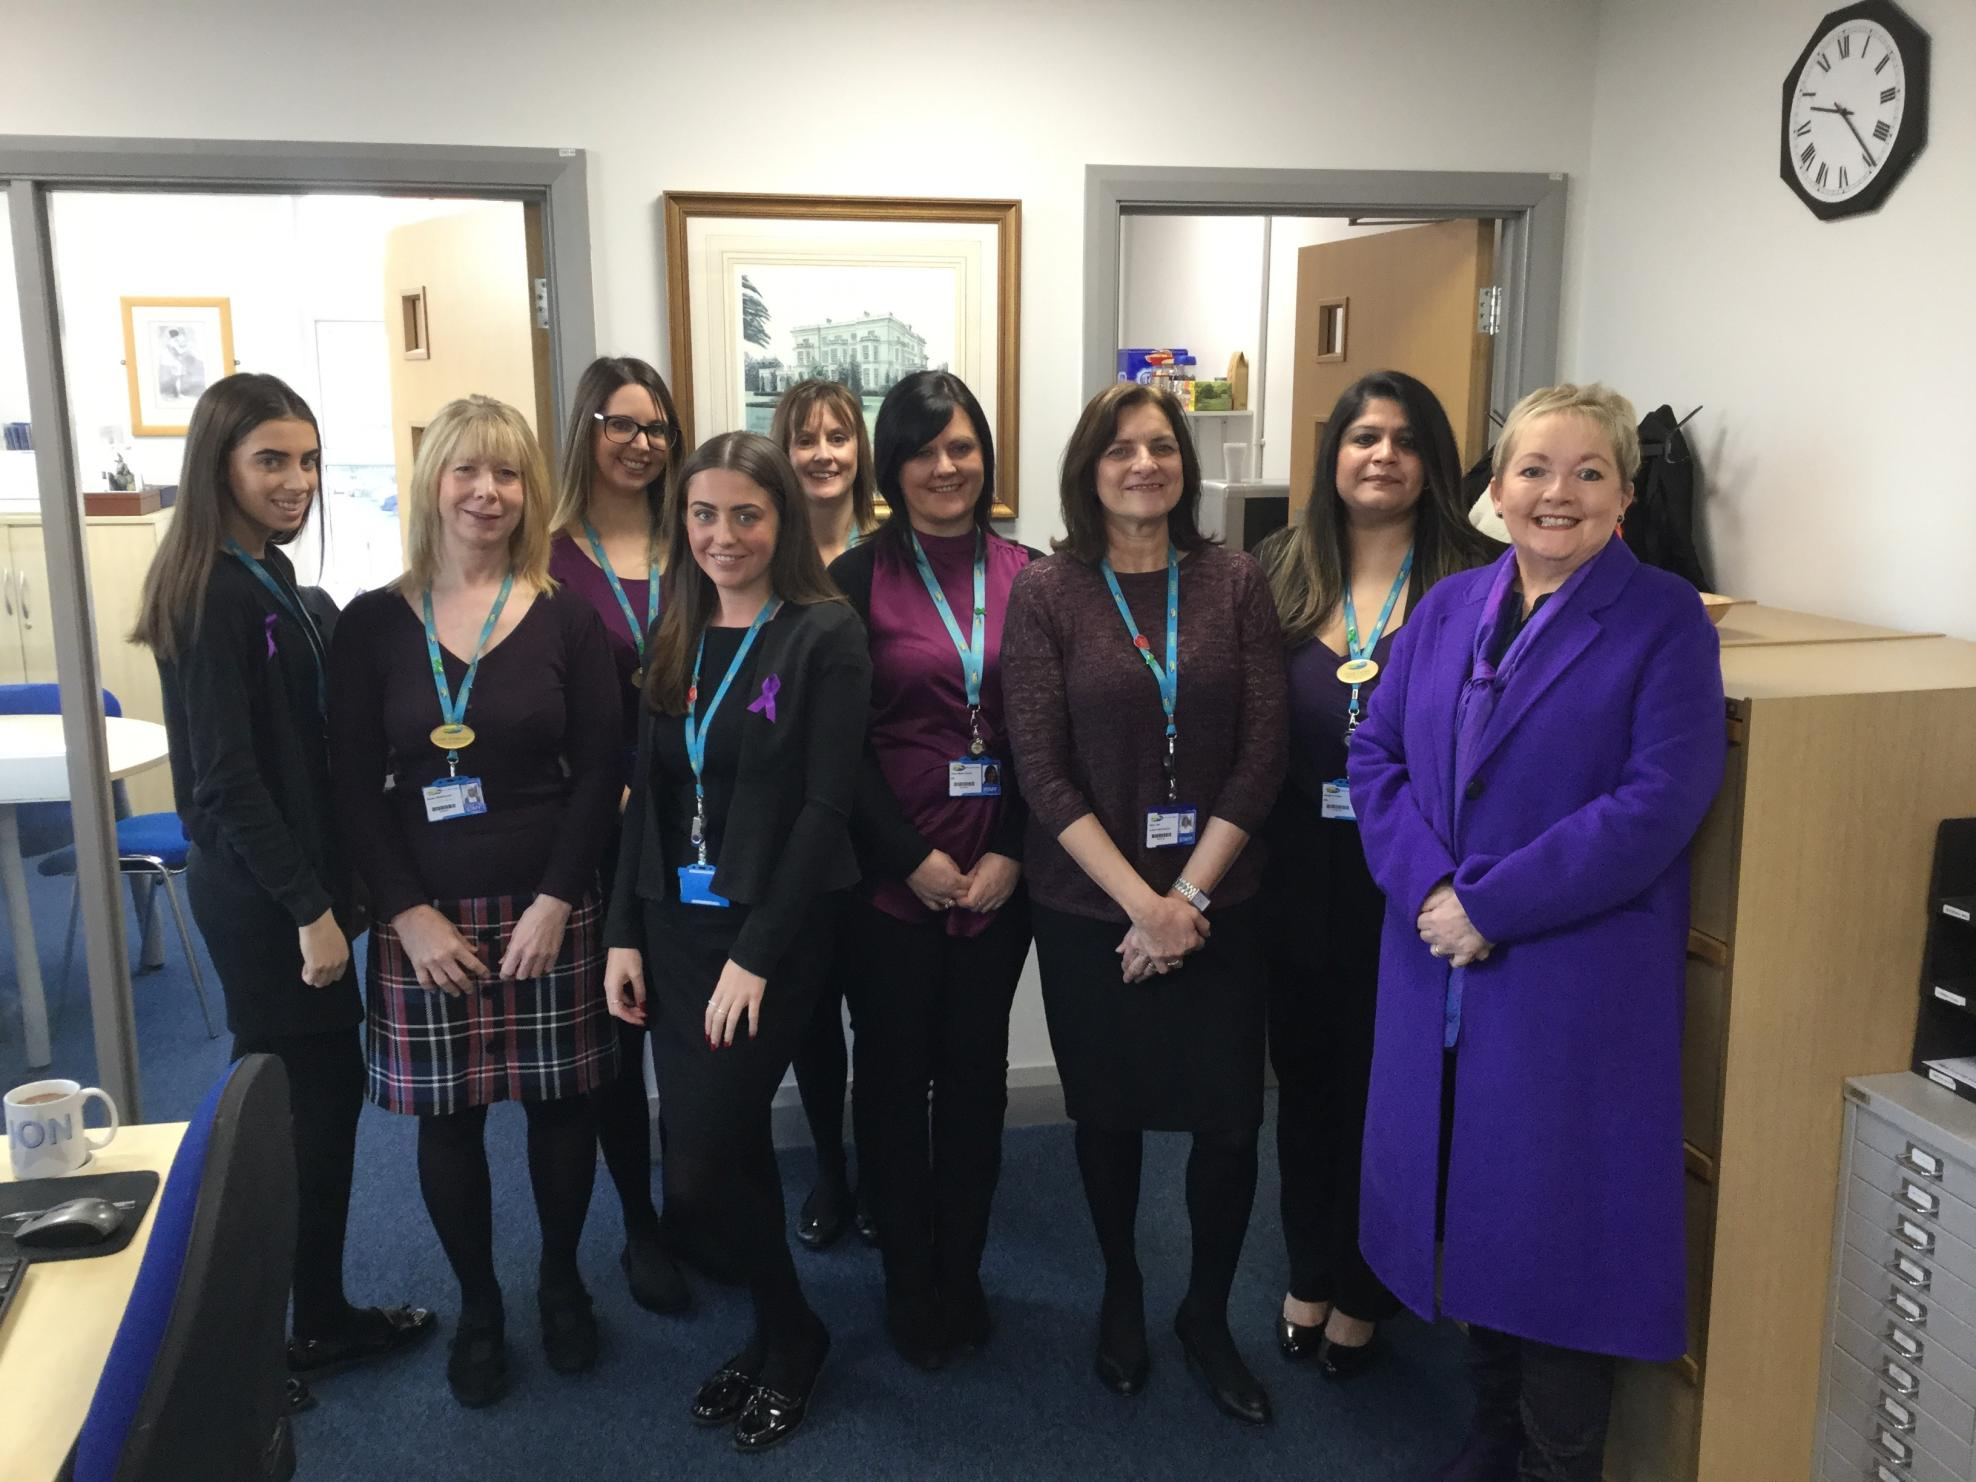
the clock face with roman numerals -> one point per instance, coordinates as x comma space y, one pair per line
1855, 109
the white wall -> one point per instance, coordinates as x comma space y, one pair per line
1836, 361
1194, 281
1013, 101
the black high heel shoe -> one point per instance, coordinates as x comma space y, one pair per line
1211, 1353
1123, 1360
824, 1214
1298, 1343
1343, 1360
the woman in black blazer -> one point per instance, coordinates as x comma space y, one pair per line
241, 666
735, 850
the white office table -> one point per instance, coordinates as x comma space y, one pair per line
34, 768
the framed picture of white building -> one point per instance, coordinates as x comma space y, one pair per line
765, 291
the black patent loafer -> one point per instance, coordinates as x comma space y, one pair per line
569, 1330
1235, 1391
721, 1399
378, 1333
770, 1417
1297, 1343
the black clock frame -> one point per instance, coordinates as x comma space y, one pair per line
1913, 42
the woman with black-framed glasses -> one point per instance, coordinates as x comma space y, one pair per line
617, 462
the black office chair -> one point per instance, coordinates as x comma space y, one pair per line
194, 1386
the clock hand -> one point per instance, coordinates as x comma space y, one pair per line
1846, 114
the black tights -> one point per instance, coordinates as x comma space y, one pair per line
459, 1197
823, 1067
1221, 1187
735, 1201
624, 1132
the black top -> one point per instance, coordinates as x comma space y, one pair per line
779, 790
548, 751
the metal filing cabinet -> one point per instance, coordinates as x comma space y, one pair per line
1898, 1388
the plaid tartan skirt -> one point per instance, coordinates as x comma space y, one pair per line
538, 1039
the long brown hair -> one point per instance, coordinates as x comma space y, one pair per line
577, 468
174, 597
1083, 512
795, 572
1307, 564
792, 415
477, 427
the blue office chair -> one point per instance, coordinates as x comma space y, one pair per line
149, 845
195, 1383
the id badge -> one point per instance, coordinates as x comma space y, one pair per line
1170, 827
1337, 800
453, 797
974, 777
696, 886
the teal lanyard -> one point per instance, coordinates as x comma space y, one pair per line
454, 733
851, 543
1169, 676
1357, 652
974, 649
624, 602
292, 605
697, 729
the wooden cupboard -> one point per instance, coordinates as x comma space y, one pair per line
1848, 744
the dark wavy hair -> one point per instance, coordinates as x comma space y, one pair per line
914, 412
1083, 512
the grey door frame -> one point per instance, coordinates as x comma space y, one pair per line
1529, 264
31, 167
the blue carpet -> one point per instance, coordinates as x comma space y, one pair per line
1026, 1407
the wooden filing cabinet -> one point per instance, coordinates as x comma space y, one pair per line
1848, 744
120, 548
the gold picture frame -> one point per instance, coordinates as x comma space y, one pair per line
918, 281
174, 348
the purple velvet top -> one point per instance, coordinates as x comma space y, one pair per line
919, 718
571, 566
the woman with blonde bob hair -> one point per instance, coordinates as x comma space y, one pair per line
475, 749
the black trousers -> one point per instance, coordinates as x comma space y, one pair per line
325, 1094
1551, 1404
931, 1013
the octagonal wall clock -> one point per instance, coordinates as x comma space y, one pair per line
1855, 109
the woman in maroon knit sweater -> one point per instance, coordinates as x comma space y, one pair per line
1144, 672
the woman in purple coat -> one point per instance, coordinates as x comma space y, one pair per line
1542, 746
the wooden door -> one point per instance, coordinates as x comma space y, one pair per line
1403, 300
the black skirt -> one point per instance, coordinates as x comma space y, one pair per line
1178, 1053
715, 1101
257, 951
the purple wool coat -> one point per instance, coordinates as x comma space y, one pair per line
1566, 838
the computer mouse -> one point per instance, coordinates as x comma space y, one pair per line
65, 1226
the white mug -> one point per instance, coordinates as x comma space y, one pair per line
1235, 462
45, 1135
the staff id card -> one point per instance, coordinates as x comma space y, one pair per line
696, 887
1337, 801
974, 777
453, 797
1170, 827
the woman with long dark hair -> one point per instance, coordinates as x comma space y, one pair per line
242, 666
935, 942
619, 453
730, 873
478, 763
1384, 523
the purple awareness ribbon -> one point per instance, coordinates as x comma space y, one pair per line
270, 626
765, 703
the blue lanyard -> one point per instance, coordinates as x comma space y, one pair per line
291, 606
974, 649
698, 729
1169, 676
617, 590
1358, 652
851, 541
454, 733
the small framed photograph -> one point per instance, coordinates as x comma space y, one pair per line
174, 348
764, 291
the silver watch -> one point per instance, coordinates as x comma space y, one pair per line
1193, 895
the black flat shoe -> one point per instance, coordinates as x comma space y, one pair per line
770, 1416
867, 1225
722, 1397
1343, 1360
375, 1333
1212, 1355
477, 1365
654, 1277
964, 1314
1297, 1343
913, 1323
821, 1221
297, 1396
569, 1330
1123, 1359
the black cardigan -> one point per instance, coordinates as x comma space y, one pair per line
886, 840
785, 839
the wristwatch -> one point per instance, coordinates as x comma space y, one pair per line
1193, 895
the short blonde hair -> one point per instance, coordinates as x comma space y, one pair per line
1612, 412
478, 427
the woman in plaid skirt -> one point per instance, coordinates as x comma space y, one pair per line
477, 757
734, 859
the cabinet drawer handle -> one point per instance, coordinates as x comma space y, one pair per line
7, 588
1906, 1308
1893, 1447
1910, 1273
1899, 1380
1881, 1474
1905, 1341
1913, 1236
1894, 1413
1913, 1195
26, 616
1920, 1162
